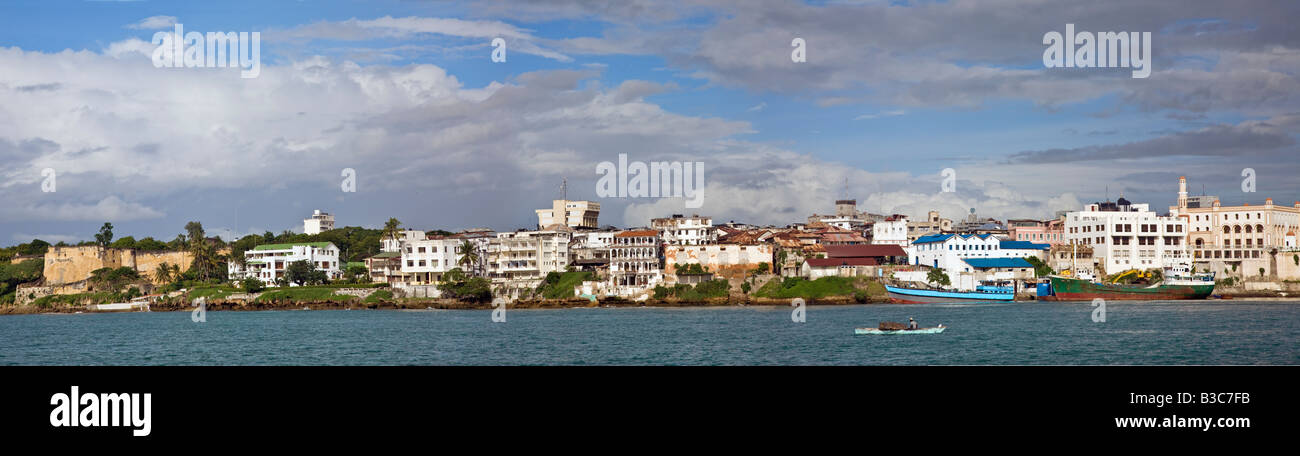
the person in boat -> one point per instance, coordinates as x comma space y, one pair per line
911, 323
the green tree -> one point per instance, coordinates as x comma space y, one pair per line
468, 255
105, 235
299, 272
125, 242
163, 274
252, 285
937, 276
1041, 269
391, 228
355, 273
150, 244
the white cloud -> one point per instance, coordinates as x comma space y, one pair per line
109, 208
50, 238
154, 23
881, 114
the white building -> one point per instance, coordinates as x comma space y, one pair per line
893, 230
390, 244
970, 259
518, 261
268, 262
634, 261
424, 261
679, 230
1128, 236
569, 213
319, 222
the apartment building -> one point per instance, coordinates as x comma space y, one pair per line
268, 262
318, 222
1127, 236
518, 261
634, 262
680, 230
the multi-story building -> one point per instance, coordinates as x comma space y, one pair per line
394, 244
518, 261
1235, 232
385, 267
268, 262
891, 230
569, 213
1047, 231
679, 230
950, 251
424, 261
634, 262
1127, 236
933, 224
971, 260
318, 222
846, 216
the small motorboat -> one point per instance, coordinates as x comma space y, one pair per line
878, 331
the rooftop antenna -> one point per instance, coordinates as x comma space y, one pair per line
564, 188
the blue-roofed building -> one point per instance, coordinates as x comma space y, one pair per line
970, 259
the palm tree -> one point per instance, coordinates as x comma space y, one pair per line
391, 228
163, 274
468, 256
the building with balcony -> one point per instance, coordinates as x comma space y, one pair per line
634, 261
268, 262
680, 230
1127, 236
1218, 232
518, 261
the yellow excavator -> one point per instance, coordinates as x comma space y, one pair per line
1132, 276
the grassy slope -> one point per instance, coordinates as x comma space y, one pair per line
820, 288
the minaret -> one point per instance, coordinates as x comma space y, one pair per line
1182, 193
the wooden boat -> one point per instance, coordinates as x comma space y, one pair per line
881, 332
903, 295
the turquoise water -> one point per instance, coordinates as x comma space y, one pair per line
1239, 332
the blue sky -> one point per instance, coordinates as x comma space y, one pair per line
405, 93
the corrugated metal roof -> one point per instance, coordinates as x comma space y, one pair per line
998, 263
319, 245
832, 262
865, 250
1022, 245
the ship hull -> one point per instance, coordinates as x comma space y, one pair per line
1067, 289
900, 295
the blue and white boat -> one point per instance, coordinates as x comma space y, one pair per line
903, 295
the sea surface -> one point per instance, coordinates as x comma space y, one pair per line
1173, 332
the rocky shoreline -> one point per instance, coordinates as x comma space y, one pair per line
442, 304
452, 304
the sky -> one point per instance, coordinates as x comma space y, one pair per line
407, 95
